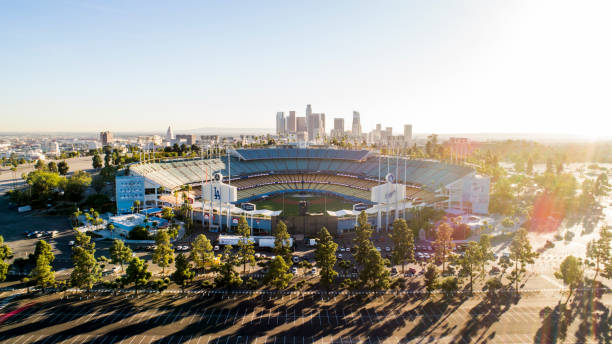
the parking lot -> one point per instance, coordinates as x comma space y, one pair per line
284, 319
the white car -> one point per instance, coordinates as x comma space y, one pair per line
340, 255
378, 249
294, 271
295, 259
388, 249
216, 248
341, 249
71, 243
348, 249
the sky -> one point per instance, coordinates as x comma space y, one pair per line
443, 66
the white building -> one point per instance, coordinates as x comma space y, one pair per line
356, 128
280, 123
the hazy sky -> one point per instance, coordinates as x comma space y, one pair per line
444, 66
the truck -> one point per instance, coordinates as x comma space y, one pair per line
24, 208
268, 241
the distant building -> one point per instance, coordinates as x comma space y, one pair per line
280, 123
169, 134
300, 124
407, 132
338, 130
52, 148
188, 138
291, 124
356, 128
315, 127
106, 137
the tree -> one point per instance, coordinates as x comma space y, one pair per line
325, 257
529, 168
374, 274
42, 274
76, 185
86, 270
443, 244
493, 285
246, 249
5, 253
449, 286
182, 273
43, 249
226, 276
138, 233
403, 244
62, 168
431, 278
163, 255
486, 253
138, 273
40, 165
281, 241
52, 167
120, 253
470, 262
278, 275
362, 240
96, 161
571, 273
521, 254
202, 253
599, 253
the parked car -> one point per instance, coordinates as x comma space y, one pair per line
339, 255
393, 271
388, 249
71, 243
295, 259
313, 271
294, 271
378, 249
494, 270
216, 248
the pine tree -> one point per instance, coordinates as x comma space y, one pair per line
431, 278
362, 239
470, 262
374, 274
486, 254
443, 244
246, 248
278, 275
226, 276
571, 273
325, 257
163, 255
42, 274
599, 253
182, 273
62, 168
120, 253
43, 249
138, 273
521, 254
5, 253
86, 270
202, 253
96, 161
403, 244
281, 241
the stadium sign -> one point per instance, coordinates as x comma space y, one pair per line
248, 206
217, 191
360, 207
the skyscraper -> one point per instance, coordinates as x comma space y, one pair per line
300, 124
338, 127
407, 132
291, 122
169, 133
309, 124
356, 129
280, 123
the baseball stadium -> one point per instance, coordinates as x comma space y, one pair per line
306, 187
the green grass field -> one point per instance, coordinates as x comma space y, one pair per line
316, 203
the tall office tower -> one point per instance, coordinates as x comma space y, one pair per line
338, 127
407, 132
169, 133
379, 127
300, 124
323, 122
356, 129
309, 120
106, 137
291, 122
315, 129
280, 123
389, 131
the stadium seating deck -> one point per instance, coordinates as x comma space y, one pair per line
352, 173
